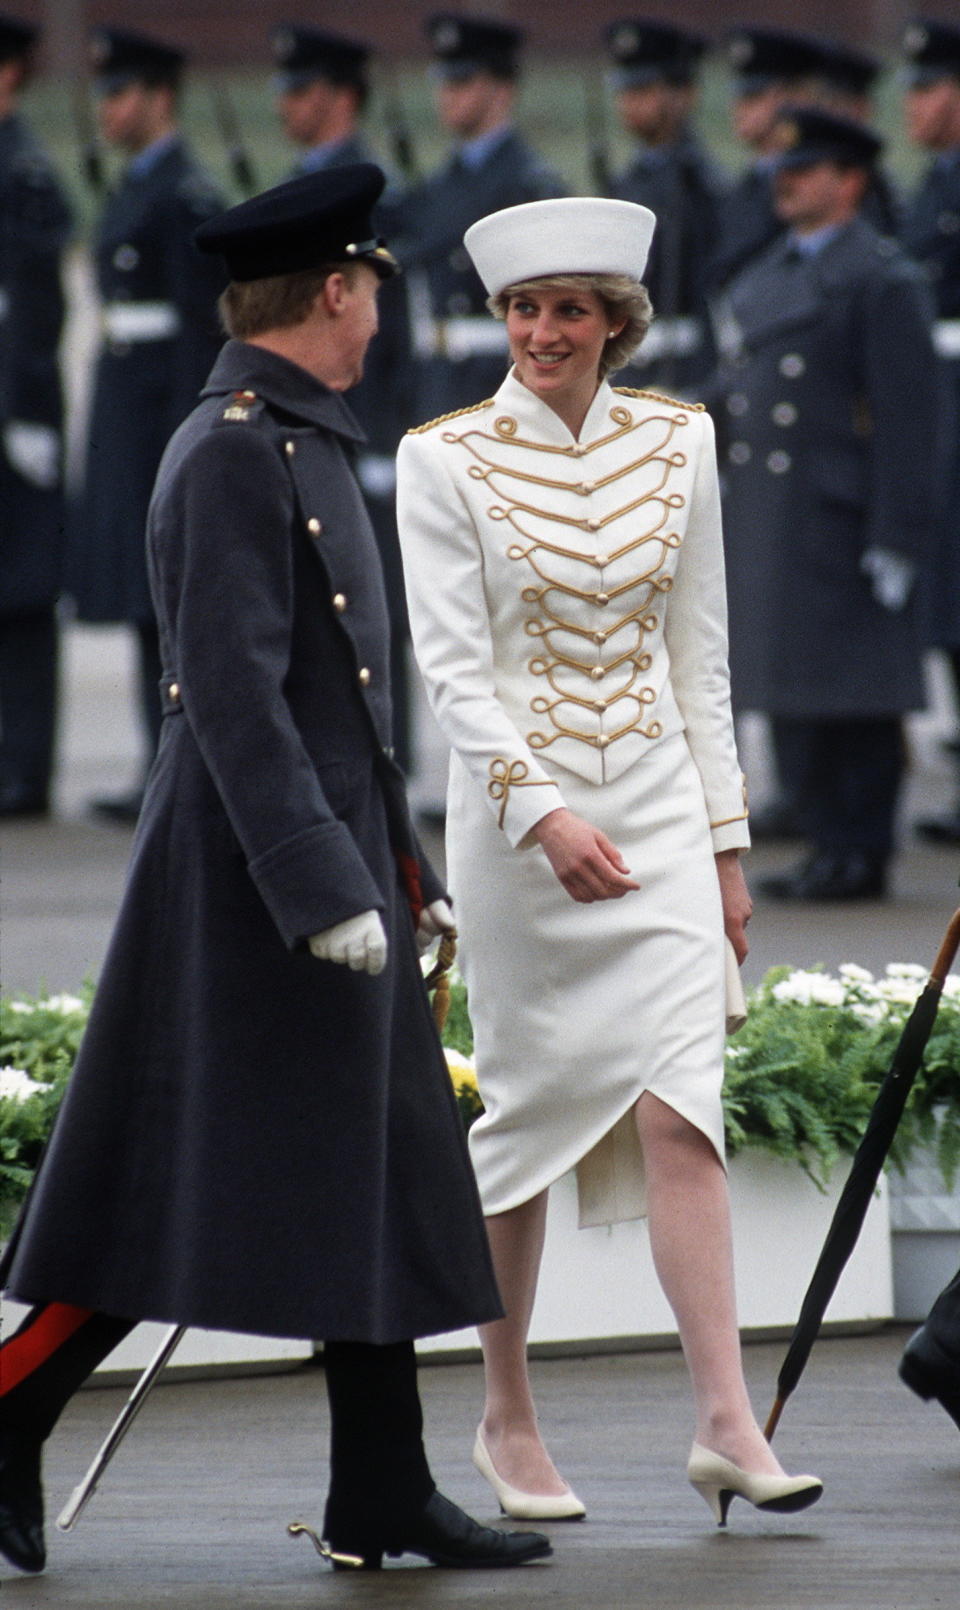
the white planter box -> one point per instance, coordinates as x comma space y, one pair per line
925, 1235
600, 1284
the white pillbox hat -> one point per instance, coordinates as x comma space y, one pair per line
568, 235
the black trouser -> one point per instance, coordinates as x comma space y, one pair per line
379, 1476
28, 699
844, 778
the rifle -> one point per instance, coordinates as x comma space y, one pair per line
241, 167
598, 150
401, 141
91, 154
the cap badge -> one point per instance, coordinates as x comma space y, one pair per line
446, 36
625, 41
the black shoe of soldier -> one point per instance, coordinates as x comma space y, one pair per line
931, 1372
442, 1534
21, 1502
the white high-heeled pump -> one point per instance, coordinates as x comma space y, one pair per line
719, 1481
521, 1506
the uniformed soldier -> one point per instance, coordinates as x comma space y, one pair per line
845, 82
260, 1132
322, 84
160, 335
461, 352
34, 228
829, 402
654, 78
932, 235
772, 67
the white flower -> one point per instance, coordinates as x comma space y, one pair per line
853, 974
64, 1003
809, 989
16, 1085
456, 1060
21, 1006
910, 970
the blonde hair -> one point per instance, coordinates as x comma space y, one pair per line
623, 298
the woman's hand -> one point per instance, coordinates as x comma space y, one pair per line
585, 861
737, 904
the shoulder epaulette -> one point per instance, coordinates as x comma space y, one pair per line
458, 413
241, 406
657, 396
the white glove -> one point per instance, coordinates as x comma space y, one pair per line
891, 576
360, 942
34, 452
435, 919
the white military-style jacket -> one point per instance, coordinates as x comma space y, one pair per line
567, 598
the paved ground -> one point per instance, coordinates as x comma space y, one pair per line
192, 1512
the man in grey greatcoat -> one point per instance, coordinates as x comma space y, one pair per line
160, 337
35, 225
932, 236
828, 401
260, 1133
654, 78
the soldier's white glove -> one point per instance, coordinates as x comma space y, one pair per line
34, 452
360, 943
435, 919
891, 576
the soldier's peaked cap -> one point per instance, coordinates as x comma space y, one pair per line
308, 222
644, 50
119, 56
16, 37
762, 56
808, 134
463, 45
303, 53
932, 50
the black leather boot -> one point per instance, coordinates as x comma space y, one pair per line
441, 1533
21, 1502
930, 1365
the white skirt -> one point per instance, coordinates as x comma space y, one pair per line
578, 1009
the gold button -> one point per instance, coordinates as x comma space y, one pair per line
339, 602
602, 559
249, 396
363, 676
603, 598
314, 527
173, 691
600, 704
289, 449
593, 525
603, 740
598, 673
599, 637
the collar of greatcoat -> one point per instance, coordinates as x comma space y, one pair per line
243, 367
539, 420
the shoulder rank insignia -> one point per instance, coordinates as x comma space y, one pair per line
240, 407
458, 413
658, 396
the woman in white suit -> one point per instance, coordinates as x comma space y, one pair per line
564, 567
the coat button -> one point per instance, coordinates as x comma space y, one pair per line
603, 598
784, 414
778, 463
739, 453
173, 692
289, 449
600, 704
792, 365
364, 677
737, 404
314, 527
339, 602
603, 740
598, 672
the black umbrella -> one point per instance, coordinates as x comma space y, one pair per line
865, 1169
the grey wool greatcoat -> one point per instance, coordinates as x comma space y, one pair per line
254, 1139
827, 410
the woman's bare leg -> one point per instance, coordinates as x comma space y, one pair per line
690, 1237
509, 1423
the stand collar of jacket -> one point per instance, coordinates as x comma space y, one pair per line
539, 420
241, 366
